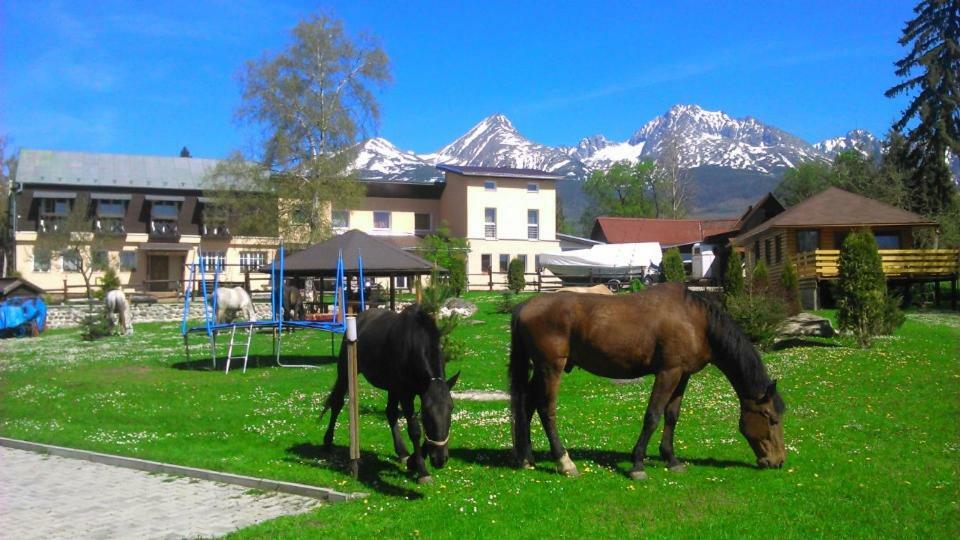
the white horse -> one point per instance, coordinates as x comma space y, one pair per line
232, 300
116, 303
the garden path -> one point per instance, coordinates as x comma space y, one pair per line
45, 496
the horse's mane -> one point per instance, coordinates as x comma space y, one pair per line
420, 337
733, 353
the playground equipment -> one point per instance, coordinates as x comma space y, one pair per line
275, 323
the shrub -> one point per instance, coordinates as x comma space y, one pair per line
760, 278
893, 316
450, 252
516, 281
506, 302
861, 287
96, 325
758, 315
108, 282
453, 349
790, 286
672, 269
636, 285
733, 277
435, 294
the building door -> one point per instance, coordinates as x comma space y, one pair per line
158, 273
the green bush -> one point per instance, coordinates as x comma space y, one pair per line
506, 302
733, 277
790, 286
672, 269
760, 278
893, 316
453, 349
636, 285
758, 315
436, 293
516, 281
449, 252
108, 282
96, 325
861, 287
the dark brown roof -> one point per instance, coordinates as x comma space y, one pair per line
502, 172
380, 258
669, 232
10, 284
835, 207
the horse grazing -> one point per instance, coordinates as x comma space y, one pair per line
293, 308
116, 304
400, 353
663, 330
232, 300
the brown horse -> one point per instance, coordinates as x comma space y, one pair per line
663, 330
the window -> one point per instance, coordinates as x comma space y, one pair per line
110, 208
886, 240
401, 282
164, 210
504, 263
490, 222
767, 251
533, 187
381, 220
485, 265
536, 263
422, 222
838, 238
56, 207
339, 219
489, 185
808, 240
70, 261
41, 260
128, 260
533, 224
778, 248
213, 260
251, 260
523, 260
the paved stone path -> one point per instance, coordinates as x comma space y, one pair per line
54, 497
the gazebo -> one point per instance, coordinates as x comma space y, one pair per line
380, 259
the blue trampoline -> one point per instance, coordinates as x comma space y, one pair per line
22, 316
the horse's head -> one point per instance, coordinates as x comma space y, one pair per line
436, 407
760, 424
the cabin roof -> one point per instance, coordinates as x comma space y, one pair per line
835, 207
621, 230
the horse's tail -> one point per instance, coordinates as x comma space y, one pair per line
519, 373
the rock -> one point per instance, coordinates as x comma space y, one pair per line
458, 306
806, 324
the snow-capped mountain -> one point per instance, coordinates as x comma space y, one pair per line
378, 158
494, 142
858, 139
703, 137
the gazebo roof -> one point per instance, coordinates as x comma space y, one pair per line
379, 258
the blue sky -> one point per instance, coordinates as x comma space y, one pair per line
150, 77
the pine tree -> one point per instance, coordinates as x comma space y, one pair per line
516, 281
672, 265
733, 278
932, 76
861, 287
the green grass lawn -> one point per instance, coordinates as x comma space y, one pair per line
872, 438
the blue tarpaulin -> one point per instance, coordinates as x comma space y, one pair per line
19, 315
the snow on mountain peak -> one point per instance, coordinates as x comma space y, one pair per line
860, 140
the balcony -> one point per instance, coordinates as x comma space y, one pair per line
109, 227
52, 224
897, 263
164, 229
215, 230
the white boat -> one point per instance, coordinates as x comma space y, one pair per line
606, 262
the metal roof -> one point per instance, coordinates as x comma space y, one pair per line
380, 258
113, 170
500, 172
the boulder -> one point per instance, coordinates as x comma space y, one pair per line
806, 324
458, 306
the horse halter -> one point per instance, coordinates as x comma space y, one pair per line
426, 438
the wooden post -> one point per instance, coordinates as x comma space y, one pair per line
490, 279
539, 281
953, 293
393, 293
64, 290
246, 280
419, 290
353, 396
322, 292
936, 294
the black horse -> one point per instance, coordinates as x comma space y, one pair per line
400, 353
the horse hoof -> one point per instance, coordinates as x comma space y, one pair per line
425, 479
638, 475
678, 468
566, 467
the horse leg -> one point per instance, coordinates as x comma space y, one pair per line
533, 402
548, 416
670, 417
393, 415
413, 429
663, 387
335, 403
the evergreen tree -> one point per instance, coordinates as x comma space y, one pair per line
185, 152
672, 266
803, 181
790, 285
760, 278
733, 278
449, 252
862, 287
516, 281
931, 73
